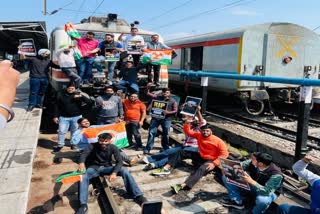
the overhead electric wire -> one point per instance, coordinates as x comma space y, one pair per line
82, 3
226, 6
82, 11
168, 11
97, 7
316, 28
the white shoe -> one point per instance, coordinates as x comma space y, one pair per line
145, 160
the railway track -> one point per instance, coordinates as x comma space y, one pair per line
268, 128
203, 198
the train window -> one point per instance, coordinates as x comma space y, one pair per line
196, 56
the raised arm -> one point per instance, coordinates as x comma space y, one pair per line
300, 169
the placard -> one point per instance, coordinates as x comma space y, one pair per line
26, 47
190, 106
234, 172
157, 108
305, 94
134, 47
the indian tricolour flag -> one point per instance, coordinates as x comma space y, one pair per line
157, 57
117, 131
71, 31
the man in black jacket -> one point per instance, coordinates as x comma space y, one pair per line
39, 69
67, 112
98, 160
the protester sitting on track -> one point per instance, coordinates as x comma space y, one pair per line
314, 180
134, 115
190, 144
9, 79
98, 160
165, 123
39, 70
129, 76
264, 178
67, 111
110, 108
211, 148
79, 139
65, 58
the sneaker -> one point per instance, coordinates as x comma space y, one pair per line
145, 160
140, 199
232, 203
176, 188
146, 152
30, 108
83, 209
75, 148
149, 166
157, 84
56, 149
161, 171
39, 106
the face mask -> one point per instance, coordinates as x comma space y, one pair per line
109, 94
66, 52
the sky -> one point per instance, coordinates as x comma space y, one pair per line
169, 18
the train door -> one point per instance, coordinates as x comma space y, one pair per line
280, 47
185, 59
196, 57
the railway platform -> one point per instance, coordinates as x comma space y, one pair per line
18, 143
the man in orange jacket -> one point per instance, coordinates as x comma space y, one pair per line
211, 148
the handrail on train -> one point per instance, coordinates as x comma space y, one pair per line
233, 75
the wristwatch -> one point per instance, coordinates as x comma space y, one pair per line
10, 111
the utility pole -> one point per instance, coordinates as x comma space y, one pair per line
44, 12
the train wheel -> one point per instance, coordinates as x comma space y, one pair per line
254, 107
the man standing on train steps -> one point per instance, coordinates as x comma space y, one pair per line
88, 46
155, 45
165, 123
133, 44
108, 47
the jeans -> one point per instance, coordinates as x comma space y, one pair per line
133, 87
99, 60
165, 124
290, 209
161, 158
72, 74
85, 67
196, 158
38, 87
133, 129
262, 202
156, 72
129, 182
64, 124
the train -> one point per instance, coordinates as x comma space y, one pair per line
100, 26
270, 49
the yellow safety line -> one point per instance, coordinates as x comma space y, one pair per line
239, 59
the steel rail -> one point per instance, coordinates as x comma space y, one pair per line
291, 139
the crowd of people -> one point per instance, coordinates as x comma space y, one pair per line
103, 158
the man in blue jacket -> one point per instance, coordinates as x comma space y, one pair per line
314, 180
